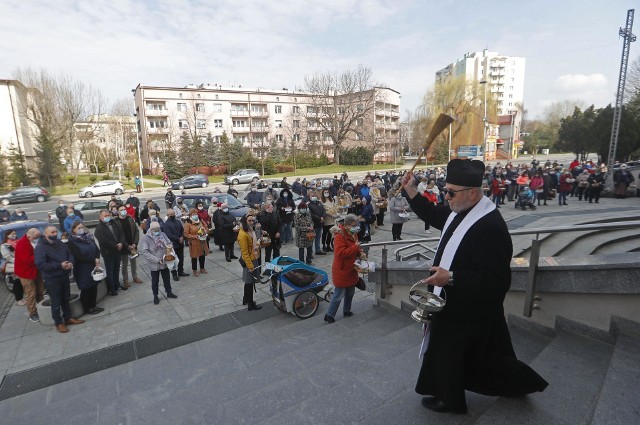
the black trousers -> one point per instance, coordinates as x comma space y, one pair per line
228, 250
380, 218
274, 249
396, 230
88, 298
18, 290
301, 254
194, 263
327, 237
155, 280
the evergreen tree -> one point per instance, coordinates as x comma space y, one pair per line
191, 152
48, 153
171, 164
3, 173
276, 152
18, 165
211, 150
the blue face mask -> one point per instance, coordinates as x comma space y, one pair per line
71, 215
285, 195
194, 218
106, 219
156, 233
355, 229
226, 210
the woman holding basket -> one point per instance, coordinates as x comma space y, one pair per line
195, 231
249, 259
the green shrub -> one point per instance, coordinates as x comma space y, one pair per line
284, 168
106, 177
356, 156
93, 178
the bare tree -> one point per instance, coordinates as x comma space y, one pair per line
338, 100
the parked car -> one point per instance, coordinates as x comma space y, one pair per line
21, 228
25, 194
236, 208
243, 176
105, 187
90, 211
192, 180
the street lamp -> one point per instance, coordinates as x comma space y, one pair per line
484, 119
450, 136
511, 137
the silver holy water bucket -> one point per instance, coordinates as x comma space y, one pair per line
425, 302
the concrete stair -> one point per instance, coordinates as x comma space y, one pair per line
362, 369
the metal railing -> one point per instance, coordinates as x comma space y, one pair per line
534, 252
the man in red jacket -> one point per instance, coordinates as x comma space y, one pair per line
26, 270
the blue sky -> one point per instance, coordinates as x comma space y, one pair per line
572, 47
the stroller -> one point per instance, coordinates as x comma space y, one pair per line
525, 199
295, 286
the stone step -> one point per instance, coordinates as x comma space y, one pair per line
587, 244
575, 368
618, 403
626, 244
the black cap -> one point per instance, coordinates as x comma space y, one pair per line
464, 172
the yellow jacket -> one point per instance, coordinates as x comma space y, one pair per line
246, 248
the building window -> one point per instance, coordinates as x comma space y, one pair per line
200, 107
311, 110
278, 109
217, 123
199, 95
296, 109
182, 107
295, 99
296, 137
201, 124
180, 95
217, 139
239, 123
278, 137
242, 139
296, 123
360, 122
183, 124
359, 136
217, 97
278, 123
217, 107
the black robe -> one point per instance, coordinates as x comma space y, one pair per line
470, 346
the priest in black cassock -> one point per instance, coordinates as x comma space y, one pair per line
467, 345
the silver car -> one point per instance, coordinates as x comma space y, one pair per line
246, 175
105, 187
90, 211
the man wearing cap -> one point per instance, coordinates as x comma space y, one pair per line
467, 345
169, 198
174, 230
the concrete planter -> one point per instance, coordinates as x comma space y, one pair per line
44, 309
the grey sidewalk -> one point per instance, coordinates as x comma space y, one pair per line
132, 314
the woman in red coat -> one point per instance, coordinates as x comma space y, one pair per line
346, 251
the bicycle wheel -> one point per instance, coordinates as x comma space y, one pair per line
305, 305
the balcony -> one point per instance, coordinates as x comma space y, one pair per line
156, 112
260, 113
240, 113
236, 130
259, 129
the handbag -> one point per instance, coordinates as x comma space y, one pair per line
361, 285
595, 184
311, 235
583, 183
242, 262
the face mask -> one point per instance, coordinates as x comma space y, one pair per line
354, 229
63, 205
303, 211
19, 214
200, 208
128, 205
52, 238
326, 194
106, 219
123, 213
156, 233
226, 210
314, 199
194, 218
270, 188
179, 202
399, 195
285, 195
172, 217
80, 232
64, 240
71, 215
253, 189
114, 212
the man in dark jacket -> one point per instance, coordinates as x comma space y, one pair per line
253, 198
112, 245
134, 201
169, 198
132, 237
228, 237
467, 345
297, 187
174, 230
317, 215
55, 261
61, 213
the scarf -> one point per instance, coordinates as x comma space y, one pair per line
160, 241
87, 237
482, 208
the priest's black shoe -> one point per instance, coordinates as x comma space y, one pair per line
175, 277
329, 319
171, 295
432, 403
348, 314
183, 274
233, 257
156, 300
254, 306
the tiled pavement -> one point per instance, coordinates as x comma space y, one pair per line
132, 314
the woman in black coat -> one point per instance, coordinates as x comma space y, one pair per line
286, 207
270, 222
84, 249
228, 237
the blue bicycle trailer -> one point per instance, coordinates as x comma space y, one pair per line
295, 286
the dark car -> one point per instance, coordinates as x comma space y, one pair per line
235, 207
192, 180
21, 228
25, 194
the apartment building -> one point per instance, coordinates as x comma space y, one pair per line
14, 126
105, 138
503, 79
257, 118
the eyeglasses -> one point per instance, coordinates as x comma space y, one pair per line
452, 193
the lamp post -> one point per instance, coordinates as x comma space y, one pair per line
484, 120
449, 156
511, 137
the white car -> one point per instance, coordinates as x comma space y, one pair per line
105, 187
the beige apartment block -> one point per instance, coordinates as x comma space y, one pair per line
14, 126
258, 118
